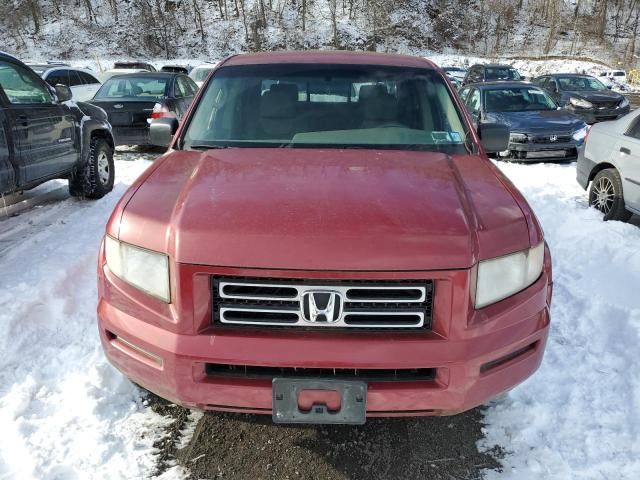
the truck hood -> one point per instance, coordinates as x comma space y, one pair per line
315, 209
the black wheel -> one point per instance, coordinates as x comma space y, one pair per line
97, 177
605, 194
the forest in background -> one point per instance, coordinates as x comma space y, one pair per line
605, 30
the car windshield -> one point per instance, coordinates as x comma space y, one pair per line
328, 106
517, 99
454, 69
580, 84
134, 87
200, 74
501, 73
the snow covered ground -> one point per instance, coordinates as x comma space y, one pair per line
66, 414
578, 417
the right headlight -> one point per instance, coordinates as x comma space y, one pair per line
142, 268
499, 278
580, 103
580, 134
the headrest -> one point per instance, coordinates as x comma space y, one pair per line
279, 101
368, 91
377, 105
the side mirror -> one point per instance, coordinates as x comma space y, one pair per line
494, 137
609, 87
162, 130
63, 93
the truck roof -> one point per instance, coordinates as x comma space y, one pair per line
330, 56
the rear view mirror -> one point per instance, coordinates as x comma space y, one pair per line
494, 137
162, 130
63, 93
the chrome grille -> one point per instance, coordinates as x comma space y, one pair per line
305, 303
551, 139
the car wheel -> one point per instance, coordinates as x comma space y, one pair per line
605, 194
98, 175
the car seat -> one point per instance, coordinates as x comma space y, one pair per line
278, 111
377, 106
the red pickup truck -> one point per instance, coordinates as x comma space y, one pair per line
325, 240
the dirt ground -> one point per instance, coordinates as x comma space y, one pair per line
235, 446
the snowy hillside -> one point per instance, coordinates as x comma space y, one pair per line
212, 29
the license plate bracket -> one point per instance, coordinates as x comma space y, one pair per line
286, 409
547, 154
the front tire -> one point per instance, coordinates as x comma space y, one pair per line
606, 195
96, 179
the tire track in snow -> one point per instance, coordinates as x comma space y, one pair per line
65, 412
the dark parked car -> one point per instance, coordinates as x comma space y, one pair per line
43, 136
584, 96
132, 100
186, 69
457, 73
134, 65
490, 73
539, 130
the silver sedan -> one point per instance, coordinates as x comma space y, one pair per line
610, 162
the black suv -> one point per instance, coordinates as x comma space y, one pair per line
45, 136
479, 73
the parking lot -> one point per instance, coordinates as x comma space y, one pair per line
48, 293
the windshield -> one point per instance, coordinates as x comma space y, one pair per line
200, 74
501, 73
134, 87
454, 69
580, 84
330, 106
517, 99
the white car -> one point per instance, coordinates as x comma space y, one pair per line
201, 72
83, 83
610, 162
618, 76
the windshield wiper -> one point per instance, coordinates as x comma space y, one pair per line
207, 147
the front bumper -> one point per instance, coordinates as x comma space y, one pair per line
595, 115
168, 353
538, 152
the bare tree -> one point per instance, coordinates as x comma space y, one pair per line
334, 22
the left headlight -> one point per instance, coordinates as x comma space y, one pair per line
518, 137
499, 278
580, 135
580, 103
142, 268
